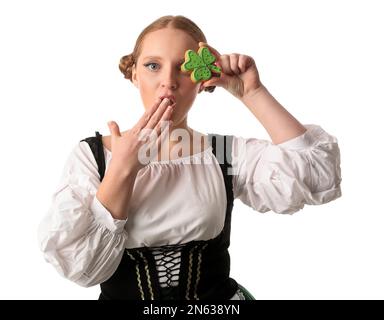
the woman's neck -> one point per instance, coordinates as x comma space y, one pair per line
182, 141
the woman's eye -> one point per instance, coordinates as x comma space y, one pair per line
153, 66
150, 65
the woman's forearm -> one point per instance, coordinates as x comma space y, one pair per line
279, 123
115, 190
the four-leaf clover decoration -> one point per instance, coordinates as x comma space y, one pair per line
200, 64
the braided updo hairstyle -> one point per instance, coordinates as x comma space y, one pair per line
177, 22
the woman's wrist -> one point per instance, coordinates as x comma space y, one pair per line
121, 170
251, 96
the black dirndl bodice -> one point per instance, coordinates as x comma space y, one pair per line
204, 266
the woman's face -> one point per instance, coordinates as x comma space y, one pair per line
157, 71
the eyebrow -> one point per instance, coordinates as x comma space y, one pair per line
160, 58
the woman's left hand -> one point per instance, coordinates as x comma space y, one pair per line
239, 74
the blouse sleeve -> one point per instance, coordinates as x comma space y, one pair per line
78, 235
284, 177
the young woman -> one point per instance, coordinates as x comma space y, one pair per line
158, 226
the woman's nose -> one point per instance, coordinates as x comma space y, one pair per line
171, 86
169, 80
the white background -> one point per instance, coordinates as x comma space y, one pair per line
322, 60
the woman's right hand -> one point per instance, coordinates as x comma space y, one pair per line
125, 146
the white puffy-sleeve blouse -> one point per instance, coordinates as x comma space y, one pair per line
177, 201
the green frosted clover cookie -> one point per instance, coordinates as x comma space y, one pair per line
201, 64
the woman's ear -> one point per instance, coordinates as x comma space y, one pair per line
134, 76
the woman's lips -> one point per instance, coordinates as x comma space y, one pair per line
170, 97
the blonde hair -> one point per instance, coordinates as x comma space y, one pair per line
176, 22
